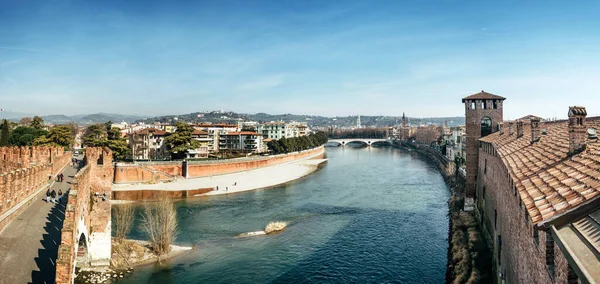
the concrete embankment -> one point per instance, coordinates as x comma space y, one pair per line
468, 254
304, 163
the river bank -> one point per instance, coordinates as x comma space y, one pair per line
468, 254
230, 183
371, 215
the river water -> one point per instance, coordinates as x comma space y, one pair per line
369, 215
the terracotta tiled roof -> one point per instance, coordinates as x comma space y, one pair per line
529, 117
154, 131
199, 132
483, 96
548, 180
242, 133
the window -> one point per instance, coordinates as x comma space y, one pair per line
486, 126
472, 105
495, 219
499, 250
536, 236
495, 104
485, 167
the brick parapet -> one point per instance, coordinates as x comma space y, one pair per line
95, 177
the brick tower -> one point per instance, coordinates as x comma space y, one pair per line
483, 113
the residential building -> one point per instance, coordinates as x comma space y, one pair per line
244, 141
536, 191
279, 129
148, 144
209, 142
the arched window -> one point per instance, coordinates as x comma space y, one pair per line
486, 126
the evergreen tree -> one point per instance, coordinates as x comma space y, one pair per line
95, 136
37, 122
181, 141
24, 136
5, 133
60, 135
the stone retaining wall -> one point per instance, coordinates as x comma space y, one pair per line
161, 171
135, 195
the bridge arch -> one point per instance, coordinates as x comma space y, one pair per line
383, 143
365, 141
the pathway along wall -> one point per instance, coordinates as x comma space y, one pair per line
161, 171
87, 213
24, 174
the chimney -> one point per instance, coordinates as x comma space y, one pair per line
577, 130
501, 128
535, 130
511, 128
519, 128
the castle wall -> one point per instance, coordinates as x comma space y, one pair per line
522, 257
25, 174
87, 213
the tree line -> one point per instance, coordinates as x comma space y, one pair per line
33, 132
104, 135
294, 144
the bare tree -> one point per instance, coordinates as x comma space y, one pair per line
124, 214
159, 222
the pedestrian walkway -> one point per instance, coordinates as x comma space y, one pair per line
29, 244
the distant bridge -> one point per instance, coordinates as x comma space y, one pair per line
365, 141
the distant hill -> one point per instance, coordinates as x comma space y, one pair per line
311, 120
82, 119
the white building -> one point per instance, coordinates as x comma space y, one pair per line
279, 129
245, 141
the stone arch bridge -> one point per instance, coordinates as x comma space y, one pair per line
365, 141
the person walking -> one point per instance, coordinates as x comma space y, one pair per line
48, 195
60, 194
53, 196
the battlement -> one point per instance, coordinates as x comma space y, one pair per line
24, 171
12, 158
87, 219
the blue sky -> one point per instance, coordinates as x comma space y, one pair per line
313, 57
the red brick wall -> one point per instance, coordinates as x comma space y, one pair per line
78, 204
473, 119
132, 173
92, 178
20, 183
522, 260
203, 170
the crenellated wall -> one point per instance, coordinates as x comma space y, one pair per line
87, 215
25, 172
